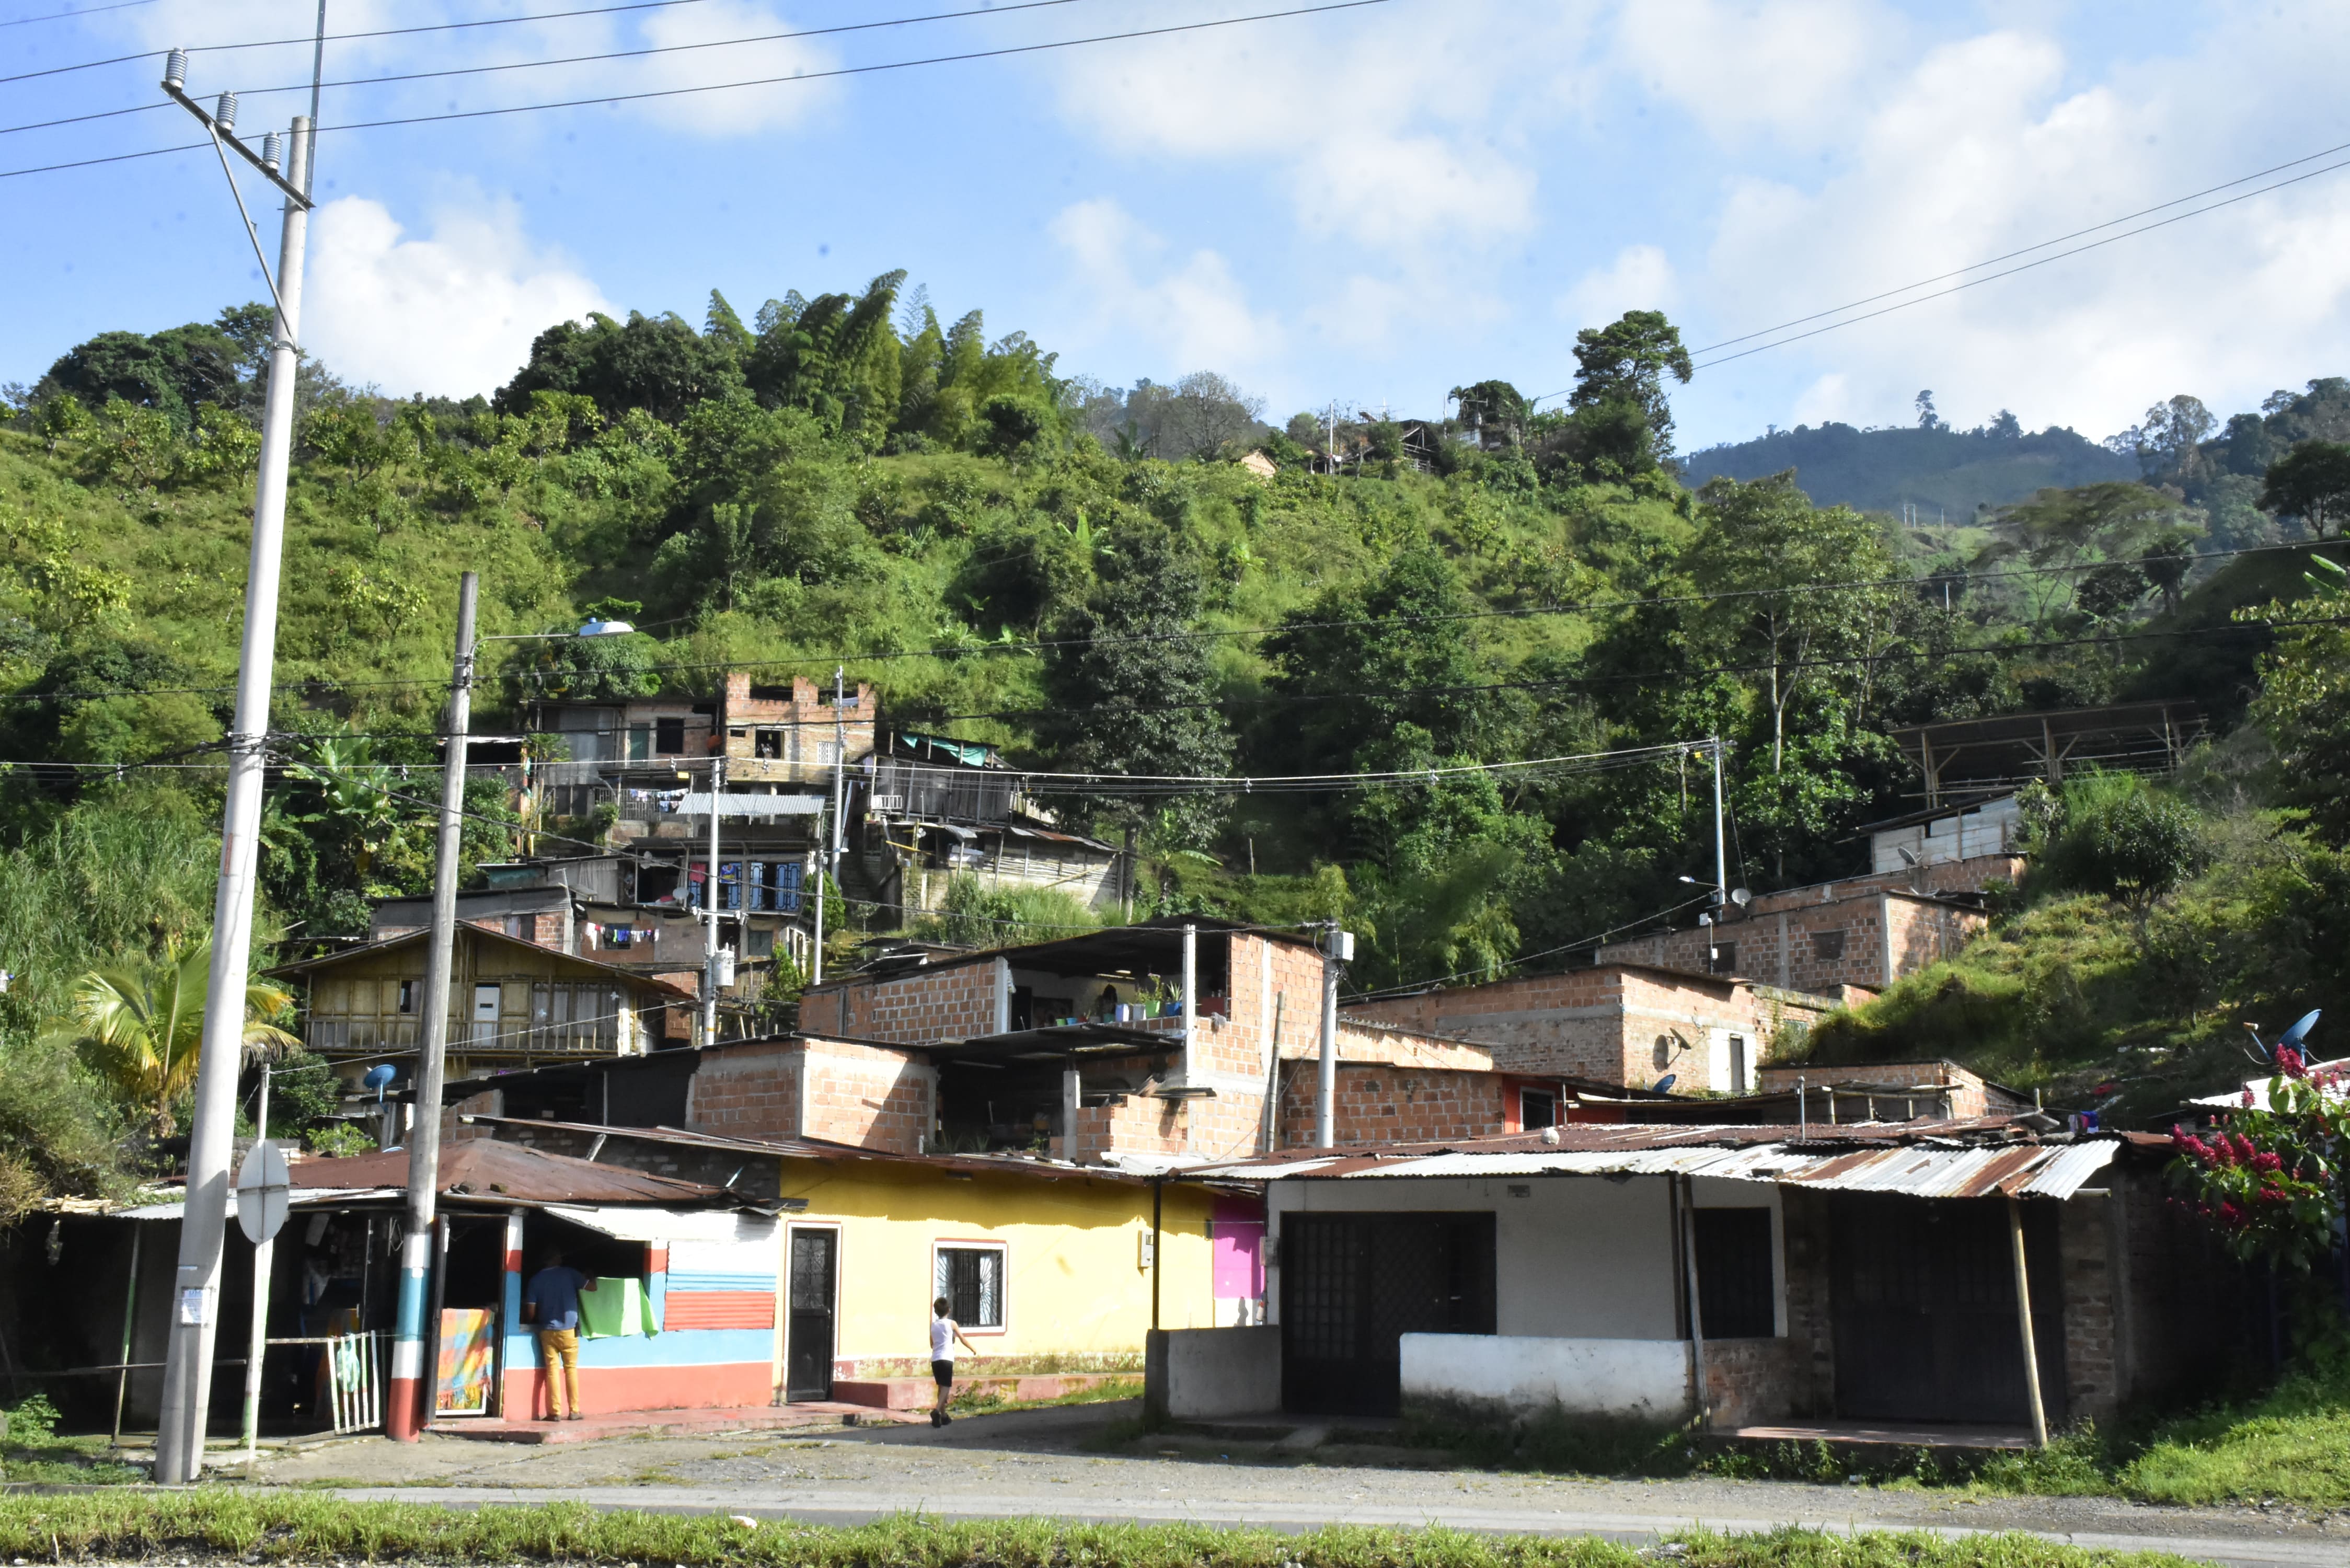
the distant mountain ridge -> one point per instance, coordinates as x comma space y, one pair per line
1947, 474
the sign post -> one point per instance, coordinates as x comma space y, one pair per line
264, 1186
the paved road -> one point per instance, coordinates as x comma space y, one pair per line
1077, 1464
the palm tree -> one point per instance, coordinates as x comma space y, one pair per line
141, 1026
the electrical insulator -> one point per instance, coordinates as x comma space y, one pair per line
269, 145
175, 69
225, 114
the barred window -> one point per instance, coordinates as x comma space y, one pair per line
972, 1279
1735, 1290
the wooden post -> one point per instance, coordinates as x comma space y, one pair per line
1696, 1311
2024, 1318
129, 1318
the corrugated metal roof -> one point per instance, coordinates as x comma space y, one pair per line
1936, 1169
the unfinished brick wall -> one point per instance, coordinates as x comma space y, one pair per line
1603, 1023
945, 1001
869, 1095
1815, 946
1378, 1104
1810, 1371
750, 1090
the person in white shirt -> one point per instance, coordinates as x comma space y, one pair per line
945, 1332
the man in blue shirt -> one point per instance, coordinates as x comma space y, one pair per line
551, 1301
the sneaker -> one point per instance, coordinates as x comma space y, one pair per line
573, 1416
938, 1418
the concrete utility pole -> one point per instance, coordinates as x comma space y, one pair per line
188, 1360
1721, 854
1337, 949
709, 906
839, 771
406, 1406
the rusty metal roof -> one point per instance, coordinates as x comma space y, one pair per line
487, 1170
1929, 1162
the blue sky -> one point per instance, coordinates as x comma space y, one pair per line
1369, 205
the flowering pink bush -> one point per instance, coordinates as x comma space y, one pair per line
2268, 1177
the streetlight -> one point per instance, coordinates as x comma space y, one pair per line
405, 1410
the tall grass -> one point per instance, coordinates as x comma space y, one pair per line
309, 1527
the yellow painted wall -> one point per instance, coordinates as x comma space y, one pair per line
1072, 1250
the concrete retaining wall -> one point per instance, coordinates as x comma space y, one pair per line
1635, 1379
1206, 1374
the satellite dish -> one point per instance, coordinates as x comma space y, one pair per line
378, 1077
1740, 896
264, 1186
2292, 1037
1665, 1084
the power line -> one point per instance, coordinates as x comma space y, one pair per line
570, 60
752, 82
2027, 250
2026, 266
68, 15
1524, 959
311, 40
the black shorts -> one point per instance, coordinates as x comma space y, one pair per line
942, 1373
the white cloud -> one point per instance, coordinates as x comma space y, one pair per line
1400, 132
1790, 68
2002, 141
1640, 278
451, 314
1195, 313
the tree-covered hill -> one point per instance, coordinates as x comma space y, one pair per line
1082, 576
1946, 475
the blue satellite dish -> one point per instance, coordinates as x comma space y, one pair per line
378, 1076
1666, 1082
2292, 1037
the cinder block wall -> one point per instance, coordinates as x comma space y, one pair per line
950, 1002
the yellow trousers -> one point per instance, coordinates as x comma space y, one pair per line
560, 1347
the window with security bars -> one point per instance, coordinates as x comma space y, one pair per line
972, 1279
1735, 1290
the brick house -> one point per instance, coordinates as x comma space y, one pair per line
1618, 1023
1138, 1072
1864, 932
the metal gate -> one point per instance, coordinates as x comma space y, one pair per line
1926, 1325
1352, 1286
356, 1377
808, 1373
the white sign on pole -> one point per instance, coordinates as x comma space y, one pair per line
263, 1185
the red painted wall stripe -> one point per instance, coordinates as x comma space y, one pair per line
718, 1309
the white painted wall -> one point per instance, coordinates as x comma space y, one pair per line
1641, 1380
1574, 1257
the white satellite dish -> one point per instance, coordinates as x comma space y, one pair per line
264, 1187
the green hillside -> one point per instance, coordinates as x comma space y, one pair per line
1084, 577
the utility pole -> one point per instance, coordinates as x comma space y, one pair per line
839, 772
188, 1360
1721, 854
709, 906
406, 1406
1337, 948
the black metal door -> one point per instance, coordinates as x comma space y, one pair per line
1352, 1286
1926, 1325
807, 1369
